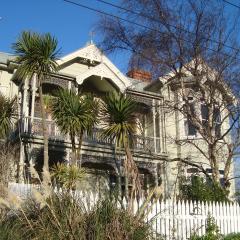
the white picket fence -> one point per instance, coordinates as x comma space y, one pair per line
170, 219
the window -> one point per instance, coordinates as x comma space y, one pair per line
205, 115
192, 170
209, 170
216, 118
190, 129
217, 121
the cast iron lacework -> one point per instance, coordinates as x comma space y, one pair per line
57, 81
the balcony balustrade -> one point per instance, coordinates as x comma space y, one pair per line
34, 128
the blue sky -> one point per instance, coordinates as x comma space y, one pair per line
70, 24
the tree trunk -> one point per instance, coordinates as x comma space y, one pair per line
74, 153
228, 167
126, 185
45, 132
79, 149
131, 171
214, 164
119, 175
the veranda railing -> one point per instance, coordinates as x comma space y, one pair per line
35, 128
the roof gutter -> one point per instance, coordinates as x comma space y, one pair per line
145, 94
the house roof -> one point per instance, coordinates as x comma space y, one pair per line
136, 84
90, 51
104, 67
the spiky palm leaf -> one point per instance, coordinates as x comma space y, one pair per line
37, 54
7, 112
72, 113
120, 122
67, 176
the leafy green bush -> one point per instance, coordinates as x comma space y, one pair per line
232, 236
212, 231
199, 189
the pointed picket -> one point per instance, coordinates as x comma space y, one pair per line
201, 211
178, 220
217, 214
221, 216
184, 223
225, 230
238, 216
157, 211
162, 218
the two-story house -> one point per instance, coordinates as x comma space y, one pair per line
89, 70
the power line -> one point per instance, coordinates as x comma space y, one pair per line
232, 4
137, 24
159, 21
110, 15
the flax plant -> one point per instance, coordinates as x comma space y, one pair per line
67, 177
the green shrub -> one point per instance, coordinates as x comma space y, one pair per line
232, 236
9, 231
109, 222
212, 231
198, 189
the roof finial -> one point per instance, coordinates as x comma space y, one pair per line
92, 33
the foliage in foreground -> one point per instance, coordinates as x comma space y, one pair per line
232, 236
64, 216
7, 112
200, 190
67, 177
212, 231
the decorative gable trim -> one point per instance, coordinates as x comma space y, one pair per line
106, 69
90, 52
103, 71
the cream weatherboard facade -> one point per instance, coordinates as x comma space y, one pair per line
89, 70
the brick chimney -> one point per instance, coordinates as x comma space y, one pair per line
140, 75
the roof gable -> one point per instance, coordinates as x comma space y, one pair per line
90, 52
104, 69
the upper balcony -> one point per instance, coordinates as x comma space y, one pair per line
151, 139
140, 143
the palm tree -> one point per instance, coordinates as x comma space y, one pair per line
37, 55
74, 114
121, 125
